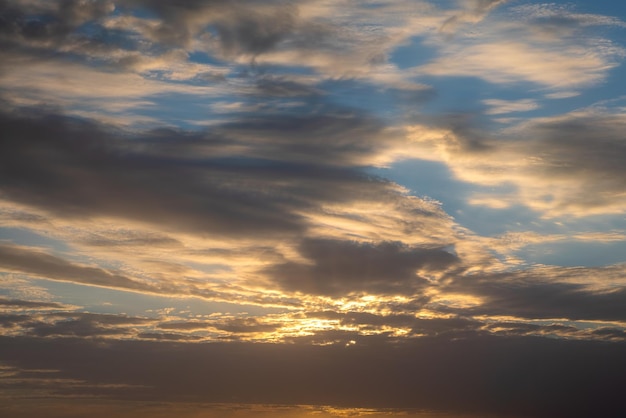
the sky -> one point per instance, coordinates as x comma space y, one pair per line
312, 208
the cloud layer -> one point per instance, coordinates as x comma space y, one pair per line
194, 209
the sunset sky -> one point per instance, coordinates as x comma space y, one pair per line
312, 208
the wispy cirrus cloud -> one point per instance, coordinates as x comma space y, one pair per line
498, 107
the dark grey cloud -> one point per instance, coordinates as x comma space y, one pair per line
234, 325
342, 267
235, 27
256, 32
72, 324
590, 149
30, 261
167, 336
611, 333
111, 33
245, 325
186, 325
38, 24
503, 376
38, 263
330, 136
250, 178
544, 293
276, 86
13, 320
190, 181
452, 327
82, 325
27, 304
557, 330
77, 171
520, 329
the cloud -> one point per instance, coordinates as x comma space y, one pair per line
27, 304
537, 377
271, 86
42, 323
510, 51
78, 171
511, 61
86, 325
547, 292
121, 98
562, 19
578, 177
297, 216
41, 23
210, 213
343, 288
259, 178
342, 267
328, 38
229, 325
240, 27
497, 106
510, 242
589, 158
38, 263
405, 324
470, 11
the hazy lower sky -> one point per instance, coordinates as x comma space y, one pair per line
312, 208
